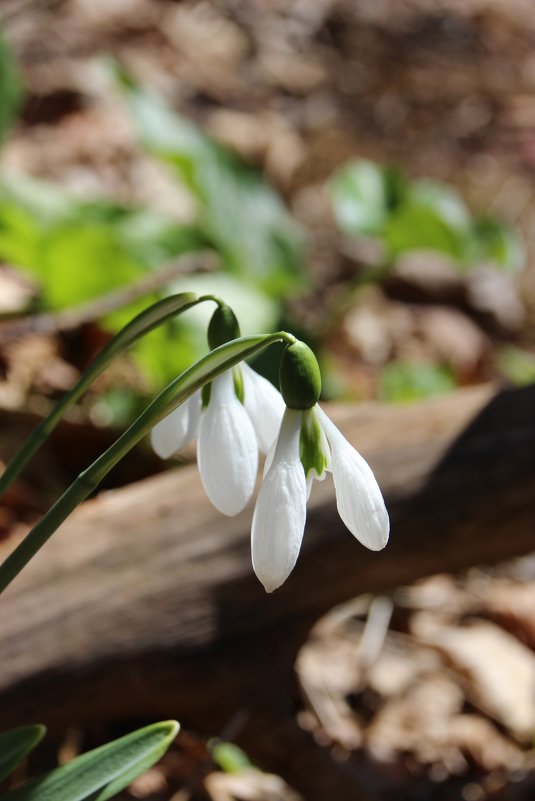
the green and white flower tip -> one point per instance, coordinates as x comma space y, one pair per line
233, 418
307, 446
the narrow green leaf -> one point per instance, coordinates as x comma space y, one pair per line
103, 772
16, 744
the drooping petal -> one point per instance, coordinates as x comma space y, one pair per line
280, 511
264, 405
177, 429
358, 497
227, 452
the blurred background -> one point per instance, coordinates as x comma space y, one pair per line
358, 173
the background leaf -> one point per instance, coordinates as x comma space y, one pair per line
16, 744
364, 195
493, 241
372, 200
405, 382
238, 212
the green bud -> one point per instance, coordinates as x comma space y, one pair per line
223, 327
300, 377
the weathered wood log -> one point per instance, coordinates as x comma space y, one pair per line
145, 604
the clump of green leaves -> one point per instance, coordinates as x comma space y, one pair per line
379, 201
78, 250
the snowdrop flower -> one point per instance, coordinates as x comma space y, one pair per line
308, 445
232, 418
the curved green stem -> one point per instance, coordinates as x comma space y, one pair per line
144, 322
206, 369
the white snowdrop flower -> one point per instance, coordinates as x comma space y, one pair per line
308, 445
239, 416
264, 405
232, 418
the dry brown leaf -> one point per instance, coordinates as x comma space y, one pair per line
16, 291
248, 785
453, 338
496, 295
499, 671
512, 605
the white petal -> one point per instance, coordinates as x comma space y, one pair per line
264, 405
280, 511
227, 451
177, 429
358, 497
269, 459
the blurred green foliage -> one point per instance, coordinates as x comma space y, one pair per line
517, 365
374, 200
405, 382
79, 250
229, 757
242, 217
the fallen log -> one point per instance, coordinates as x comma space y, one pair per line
145, 604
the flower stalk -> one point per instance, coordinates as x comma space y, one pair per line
146, 321
214, 364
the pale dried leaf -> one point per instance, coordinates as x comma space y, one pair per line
498, 670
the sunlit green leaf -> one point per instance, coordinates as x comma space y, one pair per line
16, 744
419, 227
79, 250
364, 196
444, 200
46, 203
405, 382
102, 773
242, 216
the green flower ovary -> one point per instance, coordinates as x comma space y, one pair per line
312, 445
299, 377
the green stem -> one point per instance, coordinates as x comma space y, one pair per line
206, 369
144, 322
